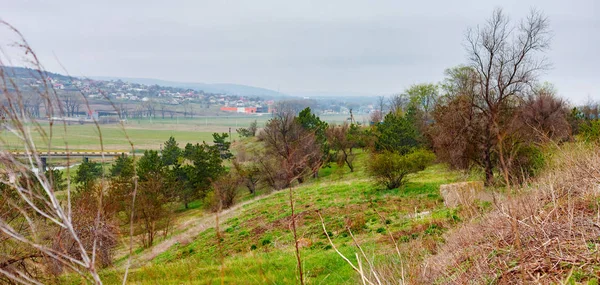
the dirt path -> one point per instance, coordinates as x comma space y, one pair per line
188, 231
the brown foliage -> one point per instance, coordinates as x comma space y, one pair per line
152, 212
376, 117
248, 172
341, 140
503, 64
225, 192
457, 133
95, 225
544, 116
555, 222
486, 118
291, 152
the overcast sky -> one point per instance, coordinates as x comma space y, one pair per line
372, 47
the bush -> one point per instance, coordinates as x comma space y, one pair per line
248, 132
390, 168
528, 163
224, 193
590, 132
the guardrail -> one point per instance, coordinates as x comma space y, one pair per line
72, 153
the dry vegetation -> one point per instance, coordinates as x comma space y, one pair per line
546, 233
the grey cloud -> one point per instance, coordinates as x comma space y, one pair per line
375, 47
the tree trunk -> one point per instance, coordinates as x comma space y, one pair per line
347, 161
489, 167
251, 187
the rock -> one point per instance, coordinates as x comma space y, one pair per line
461, 193
421, 214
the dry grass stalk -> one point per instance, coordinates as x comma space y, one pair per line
32, 214
556, 220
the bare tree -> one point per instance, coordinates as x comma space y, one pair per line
292, 146
71, 104
343, 140
248, 172
163, 109
591, 110
150, 108
225, 190
399, 103
32, 104
376, 117
294, 106
381, 105
123, 112
505, 59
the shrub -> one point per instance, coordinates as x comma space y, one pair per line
224, 194
248, 132
590, 132
390, 168
528, 162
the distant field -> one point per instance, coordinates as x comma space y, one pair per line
144, 134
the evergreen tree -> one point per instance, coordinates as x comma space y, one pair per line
397, 133
313, 123
206, 166
56, 178
150, 165
178, 178
170, 152
220, 141
123, 167
87, 173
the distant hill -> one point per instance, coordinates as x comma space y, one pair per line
225, 88
23, 72
220, 88
355, 97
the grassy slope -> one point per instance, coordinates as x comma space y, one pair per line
258, 245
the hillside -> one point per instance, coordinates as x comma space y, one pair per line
257, 245
218, 88
23, 72
435, 244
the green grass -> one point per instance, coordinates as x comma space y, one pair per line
257, 245
257, 267
143, 133
87, 137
